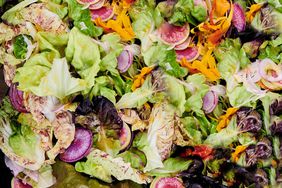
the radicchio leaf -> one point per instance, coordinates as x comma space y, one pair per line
249, 120
98, 111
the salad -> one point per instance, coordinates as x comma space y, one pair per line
142, 93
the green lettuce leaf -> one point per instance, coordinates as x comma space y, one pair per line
107, 144
272, 50
191, 131
84, 55
186, 11
196, 82
59, 82
20, 47
138, 97
50, 45
239, 96
115, 167
6, 109
135, 157
111, 47
94, 170
103, 86
68, 177
267, 100
172, 166
159, 54
60, 9
38, 66
82, 19
153, 157
175, 93
20, 143
225, 136
230, 57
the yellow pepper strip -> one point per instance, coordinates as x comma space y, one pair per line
224, 119
238, 150
139, 79
253, 10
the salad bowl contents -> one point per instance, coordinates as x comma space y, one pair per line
142, 93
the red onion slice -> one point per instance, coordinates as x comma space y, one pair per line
16, 98
80, 147
270, 71
125, 59
238, 19
210, 101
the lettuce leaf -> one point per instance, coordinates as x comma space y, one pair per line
272, 50
38, 66
94, 170
103, 87
172, 166
67, 177
84, 55
225, 136
138, 97
239, 96
230, 57
196, 82
6, 109
153, 157
59, 82
159, 54
114, 166
175, 93
191, 131
267, 100
82, 19
21, 144
20, 47
135, 157
186, 11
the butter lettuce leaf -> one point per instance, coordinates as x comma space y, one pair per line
21, 144
172, 166
113, 166
59, 82
84, 55
160, 54
82, 19
68, 177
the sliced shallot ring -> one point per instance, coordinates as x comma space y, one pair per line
267, 64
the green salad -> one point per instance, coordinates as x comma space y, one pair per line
142, 93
